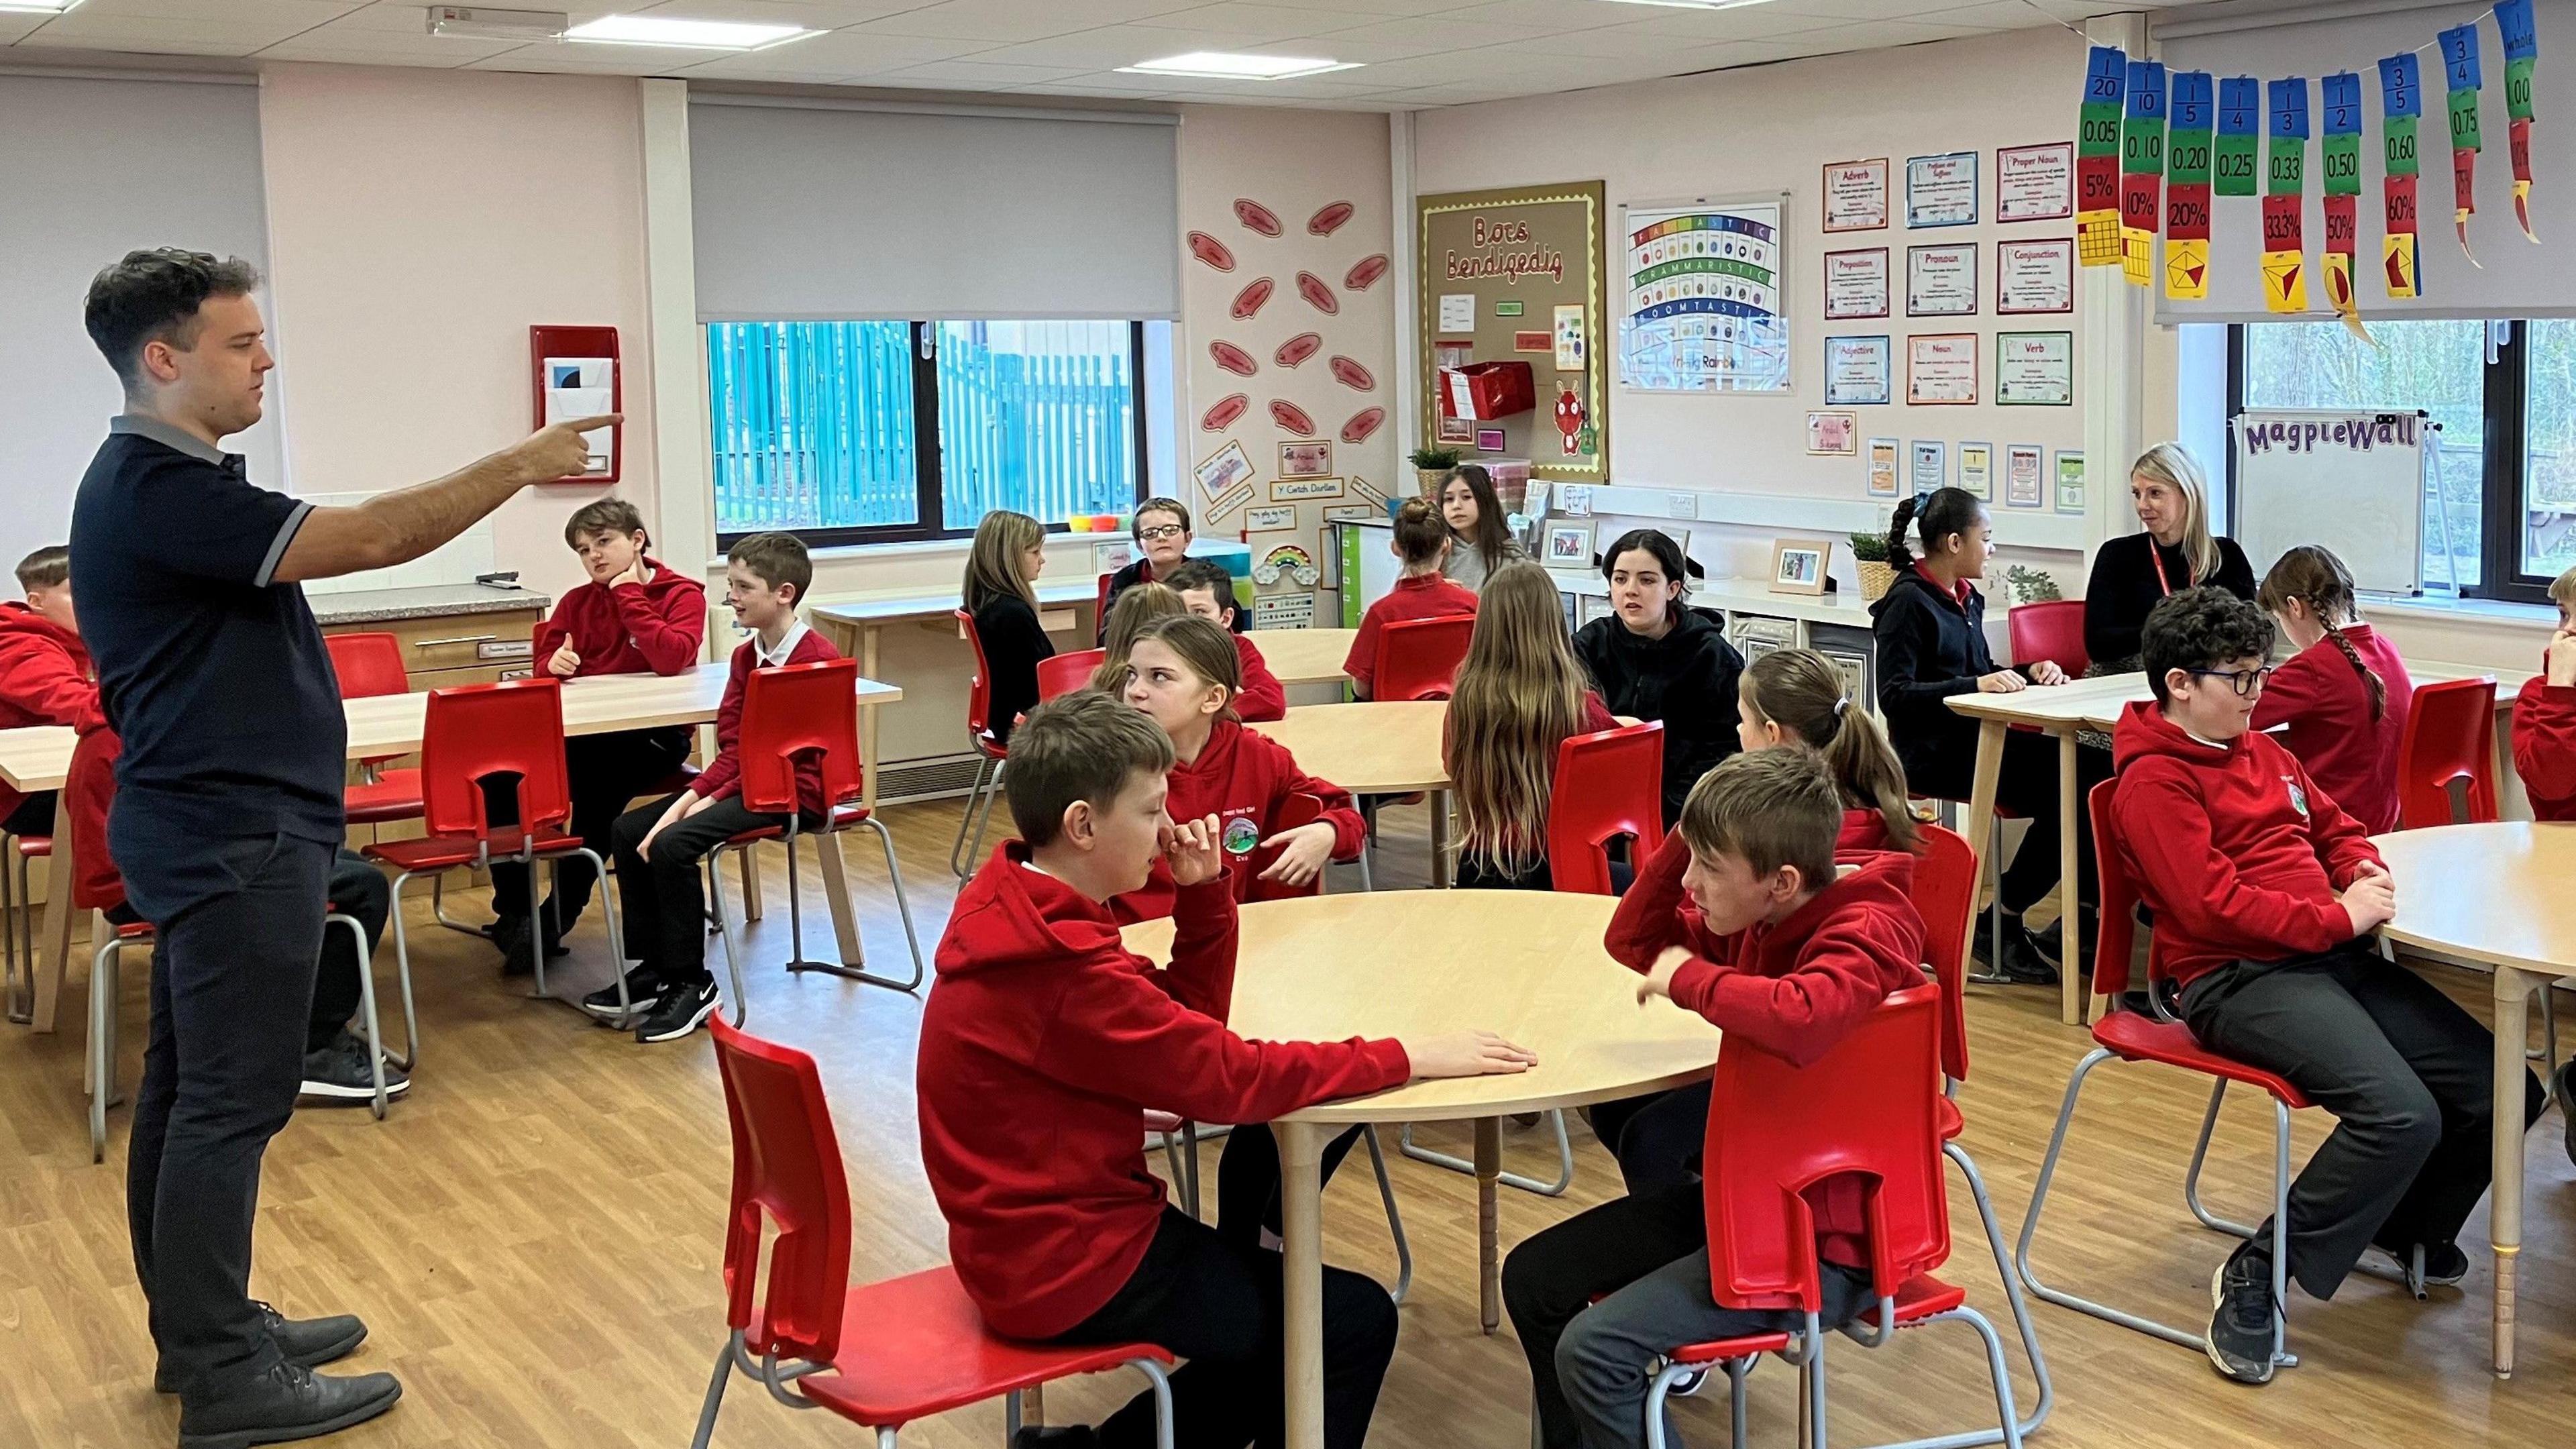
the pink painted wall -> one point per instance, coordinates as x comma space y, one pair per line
419, 222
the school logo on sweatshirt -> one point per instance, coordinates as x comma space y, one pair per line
1241, 837
2298, 797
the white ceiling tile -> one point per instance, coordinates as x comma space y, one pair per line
361, 48
2018, 14
1095, 84
45, 39
812, 14
1375, 7
1265, 22
230, 12
1111, 46
850, 52
232, 36
1756, 22
1879, 34
14, 26
974, 75
1553, 15
999, 21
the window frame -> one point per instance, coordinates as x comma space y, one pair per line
2500, 483
929, 509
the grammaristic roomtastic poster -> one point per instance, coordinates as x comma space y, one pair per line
1517, 275
1701, 309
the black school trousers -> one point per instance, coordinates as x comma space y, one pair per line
359, 891
1219, 1305
2027, 786
2408, 1075
661, 899
606, 773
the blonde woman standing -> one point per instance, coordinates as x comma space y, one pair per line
1000, 591
2174, 551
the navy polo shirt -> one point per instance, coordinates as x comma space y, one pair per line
213, 674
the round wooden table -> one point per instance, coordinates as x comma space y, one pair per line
2493, 897
1305, 656
1377, 748
1527, 964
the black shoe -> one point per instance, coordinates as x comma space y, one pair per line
306, 1342
340, 1072
1045, 1436
2444, 1264
2566, 1084
2244, 1317
287, 1403
2052, 941
644, 990
509, 934
557, 926
2022, 964
682, 1010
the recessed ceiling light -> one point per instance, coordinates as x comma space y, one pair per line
1694, 4
1224, 65
692, 34
37, 7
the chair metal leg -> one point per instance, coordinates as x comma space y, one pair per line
724, 932
2039, 1201
1564, 1161
366, 1008
1990, 872
2191, 1179
616, 939
1162, 1400
992, 793
410, 1059
2547, 1051
1180, 1174
957, 858
438, 908
2012, 1288
751, 901
714, 1400
1394, 1217
102, 1041
903, 905
17, 938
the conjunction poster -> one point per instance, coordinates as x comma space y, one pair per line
1702, 309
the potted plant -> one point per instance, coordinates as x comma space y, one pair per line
2031, 586
1431, 469
1876, 574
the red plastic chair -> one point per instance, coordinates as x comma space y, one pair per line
804, 716
370, 666
1608, 784
473, 733
2449, 739
1100, 602
921, 1348
2051, 630
1419, 658
17, 926
2132, 1037
979, 733
1865, 1110
1066, 673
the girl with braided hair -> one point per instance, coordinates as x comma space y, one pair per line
2343, 697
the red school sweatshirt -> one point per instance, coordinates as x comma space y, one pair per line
2236, 849
1657, 912
722, 778
1798, 986
1041, 1046
1415, 596
2544, 745
2325, 703
658, 627
1262, 697
45, 679
1243, 778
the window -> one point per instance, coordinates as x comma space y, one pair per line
2506, 523
874, 432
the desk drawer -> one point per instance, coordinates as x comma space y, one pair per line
460, 641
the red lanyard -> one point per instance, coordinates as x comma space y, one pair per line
2156, 556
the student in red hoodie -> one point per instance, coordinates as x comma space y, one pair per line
1788, 951
1046, 1039
658, 847
1422, 544
45, 674
2341, 701
2544, 751
2265, 894
635, 616
1208, 589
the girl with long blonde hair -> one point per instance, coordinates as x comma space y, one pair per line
1518, 695
1000, 594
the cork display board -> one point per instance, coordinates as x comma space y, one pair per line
1516, 276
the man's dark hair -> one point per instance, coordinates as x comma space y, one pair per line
776, 559
154, 296
2201, 629
46, 567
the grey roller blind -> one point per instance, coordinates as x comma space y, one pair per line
2514, 279
91, 169
809, 212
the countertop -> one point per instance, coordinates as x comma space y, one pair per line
378, 606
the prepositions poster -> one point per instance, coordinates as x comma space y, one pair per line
1703, 308
1855, 284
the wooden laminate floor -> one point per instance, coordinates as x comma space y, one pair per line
533, 1237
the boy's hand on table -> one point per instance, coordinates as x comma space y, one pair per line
1195, 851
1466, 1054
1659, 977
2371, 902
1303, 852
2046, 671
563, 662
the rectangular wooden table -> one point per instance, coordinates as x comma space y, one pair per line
390, 724
2063, 710
857, 621
1305, 656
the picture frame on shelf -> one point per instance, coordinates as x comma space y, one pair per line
1798, 565
1568, 543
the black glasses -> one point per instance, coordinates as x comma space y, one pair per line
1161, 531
2243, 681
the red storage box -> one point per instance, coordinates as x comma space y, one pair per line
1485, 391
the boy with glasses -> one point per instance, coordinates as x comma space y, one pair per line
1162, 529
2265, 896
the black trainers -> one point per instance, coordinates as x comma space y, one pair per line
2022, 964
2051, 940
509, 935
339, 1072
287, 1403
306, 1342
683, 1009
2244, 1317
2444, 1265
2566, 1084
643, 992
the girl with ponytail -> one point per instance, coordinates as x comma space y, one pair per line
2344, 696
1795, 696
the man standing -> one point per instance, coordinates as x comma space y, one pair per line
228, 805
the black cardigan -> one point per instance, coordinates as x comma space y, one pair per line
2124, 587
1014, 641
1930, 647
1686, 679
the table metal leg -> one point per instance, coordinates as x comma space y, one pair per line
868, 724
1301, 1175
1438, 800
54, 942
2504, 1226
1980, 824
1489, 1258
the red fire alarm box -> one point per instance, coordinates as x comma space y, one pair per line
574, 372
1484, 391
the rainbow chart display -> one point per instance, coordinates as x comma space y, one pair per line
1702, 310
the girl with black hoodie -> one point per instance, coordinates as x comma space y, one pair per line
1658, 658
1931, 630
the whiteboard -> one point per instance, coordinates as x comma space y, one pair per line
2351, 480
